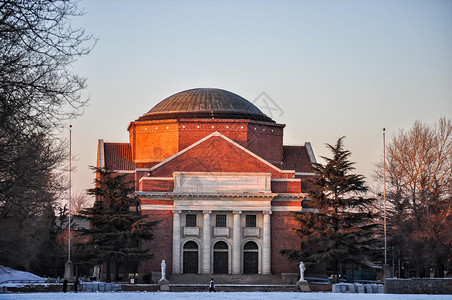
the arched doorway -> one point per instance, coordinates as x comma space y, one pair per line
190, 257
250, 258
220, 258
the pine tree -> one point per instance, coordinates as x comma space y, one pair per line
338, 229
115, 232
51, 255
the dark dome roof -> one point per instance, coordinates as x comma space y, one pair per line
205, 104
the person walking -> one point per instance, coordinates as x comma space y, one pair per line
211, 285
65, 285
76, 284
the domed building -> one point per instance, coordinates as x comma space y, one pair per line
212, 168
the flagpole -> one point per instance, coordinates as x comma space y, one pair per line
384, 192
68, 267
70, 186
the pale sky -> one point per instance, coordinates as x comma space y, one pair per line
334, 68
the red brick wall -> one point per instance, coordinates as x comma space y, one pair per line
263, 139
283, 238
286, 186
295, 202
138, 175
265, 143
153, 141
132, 139
168, 201
162, 244
191, 131
215, 155
152, 185
305, 182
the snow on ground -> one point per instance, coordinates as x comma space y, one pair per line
11, 274
218, 296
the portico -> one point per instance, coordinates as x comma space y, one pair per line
222, 224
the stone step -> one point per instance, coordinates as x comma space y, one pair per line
234, 288
226, 279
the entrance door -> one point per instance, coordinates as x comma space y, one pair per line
250, 258
220, 258
190, 258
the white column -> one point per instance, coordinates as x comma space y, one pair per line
236, 243
206, 243
266, 248
176, 242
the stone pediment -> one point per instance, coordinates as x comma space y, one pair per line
218, 154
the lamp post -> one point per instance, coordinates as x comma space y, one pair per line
69, 267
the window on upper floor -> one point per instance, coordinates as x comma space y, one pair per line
221, 221
190, 220
250, 221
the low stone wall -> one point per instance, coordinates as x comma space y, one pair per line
418, 286
369, 288
39, 288
140, 287
58, 287
290, 278
320, 287
100, 287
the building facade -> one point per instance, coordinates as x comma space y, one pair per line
212, 168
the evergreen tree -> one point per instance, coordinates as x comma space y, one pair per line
51, 255
115, 232
338, 229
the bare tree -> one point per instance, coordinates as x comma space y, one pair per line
79, 202
422, 158
37, 44
419, 180
37, 93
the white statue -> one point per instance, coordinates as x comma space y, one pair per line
302, 269
163, 271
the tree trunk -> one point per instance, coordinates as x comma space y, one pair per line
439, 270
108, 271
116, 271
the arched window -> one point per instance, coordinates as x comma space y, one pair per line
250, 246
220, 258
220, 246
250, 258
191, 245
190, 264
